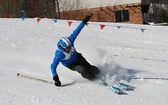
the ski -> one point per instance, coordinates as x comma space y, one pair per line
122, 85
125, 87
119, 89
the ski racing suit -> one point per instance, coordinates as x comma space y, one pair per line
72, 59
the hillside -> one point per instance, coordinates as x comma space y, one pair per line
134, 54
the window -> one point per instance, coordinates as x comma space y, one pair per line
122, 16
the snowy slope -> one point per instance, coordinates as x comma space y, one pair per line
126, 54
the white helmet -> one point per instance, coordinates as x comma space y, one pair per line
64, 42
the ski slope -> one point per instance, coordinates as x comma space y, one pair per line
123, 54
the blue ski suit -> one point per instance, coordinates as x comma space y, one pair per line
66, 58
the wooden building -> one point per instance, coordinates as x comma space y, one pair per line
129, 11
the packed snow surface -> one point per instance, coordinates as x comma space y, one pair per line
133, 54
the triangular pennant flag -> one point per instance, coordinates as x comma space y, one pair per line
55, 21
38, 20
118, 27
23, 17
87, 24
142, 30
69, 23
102, 26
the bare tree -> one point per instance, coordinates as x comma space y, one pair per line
43, 8
164, 12
158, 10
67, 6
29, 8
9, 8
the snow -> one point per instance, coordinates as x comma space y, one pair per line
123, 54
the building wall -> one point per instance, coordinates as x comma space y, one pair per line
107, 13
102, 3
83, 4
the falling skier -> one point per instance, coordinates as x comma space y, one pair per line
70, 58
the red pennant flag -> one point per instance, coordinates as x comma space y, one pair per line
102, 26
69, 23
38, 20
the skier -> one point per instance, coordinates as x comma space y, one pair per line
70, 58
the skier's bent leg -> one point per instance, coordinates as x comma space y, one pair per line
94, 70
79, 69
86, 74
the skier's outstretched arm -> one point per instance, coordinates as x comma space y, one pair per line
79, 28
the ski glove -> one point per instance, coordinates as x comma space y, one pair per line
87, 18
57, 81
